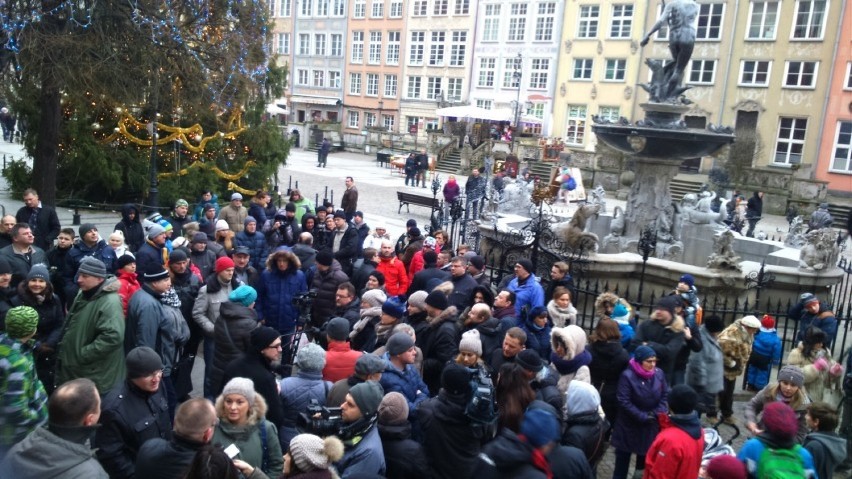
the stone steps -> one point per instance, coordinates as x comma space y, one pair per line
681, 186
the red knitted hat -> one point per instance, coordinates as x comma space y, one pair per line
780, 420
223, 263
768, 322
726, 467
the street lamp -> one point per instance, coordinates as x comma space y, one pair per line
517, 75
379, 120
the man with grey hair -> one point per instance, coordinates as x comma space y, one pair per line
304, 250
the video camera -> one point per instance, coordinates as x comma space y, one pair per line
321, 420
304, 300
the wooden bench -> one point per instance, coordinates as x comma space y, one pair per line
407, 199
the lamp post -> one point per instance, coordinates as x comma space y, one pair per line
379, 120
517, 75
153, 190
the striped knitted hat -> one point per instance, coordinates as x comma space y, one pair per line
21, 322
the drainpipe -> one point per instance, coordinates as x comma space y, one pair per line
830, 81
638, 70
728, 65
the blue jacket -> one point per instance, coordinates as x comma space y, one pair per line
258, 250
768, 345
148, 255
406, 382
824, 319
529, 294
753, 448
296, 394
101, 250
276, 290
538, 339
365, 458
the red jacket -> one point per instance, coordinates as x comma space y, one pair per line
675, 454
129, 285
396, 279
417, 264
339, 361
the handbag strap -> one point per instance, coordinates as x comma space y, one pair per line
264, 446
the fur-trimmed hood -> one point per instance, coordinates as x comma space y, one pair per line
449, 314
677, 325
602, 300
293, 261
572, 337
256, 413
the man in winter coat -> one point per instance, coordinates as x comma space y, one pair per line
463, 283
347, 304
396, 279
61, 447
676, 452
131, 226
363, 452
429, 275
705, 369
234, 213
345, 245
256, 364
243, 270
180, 216
304, 250
154, 251
254, 241
451, 440
232, 331
322, 153
528, 293
89, 244
439, 341
810, 311
404, 456
195, 421
92, 344
133, 413
663, 332
349, 201
340, 358
22, 254
327, 278
735, 341
41, 218
368, 367
400, 375
205, 311
754, 210
280, 282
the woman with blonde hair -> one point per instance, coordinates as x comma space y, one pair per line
116, 241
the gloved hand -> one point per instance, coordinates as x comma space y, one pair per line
836, 369
821, 364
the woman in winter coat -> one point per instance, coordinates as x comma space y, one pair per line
404, 457
37, 292
131, 226
241, 412
705, 370
609, 359
569, 358
560, 310
692, 344
439, 340
298, 391
232, 330
538, 327
513, 393
363, 334
765, 352
585, 428
279, 283
642, 392
392, 313
789, 390
814, 358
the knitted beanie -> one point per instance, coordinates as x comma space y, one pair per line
38, 271
688, 279
85, 228
154, 272
529, 360
780, 420
242, 386
368, 364
92, 267
311, 452
393, 409
726, 466
311, 358
526, 264
244, 294
374, 297
399, 343
437, 300
393, 308
152, 230
128, 258
540, 427
455, 379
620, 314
337, 329
261, 337
324, 257
367, 395
223, 263
682, 399
418, 299
792, 374
249, 219
142, 361
768, 322
644, 352
21, 322
714, 324
471, 343
222, 225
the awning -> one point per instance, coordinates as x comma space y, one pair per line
314, 100
509, 115
278, 107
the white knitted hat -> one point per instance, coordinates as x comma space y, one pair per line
242, 386
311, 452
471, 343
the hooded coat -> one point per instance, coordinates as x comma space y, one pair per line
609, 359
677, 451
538, 337
231, 343
276, 291
828, 451
248, 437
439, 342
134, 236
585, 429
666, 340
573, 365
43, 454
404, 457
450, 439
326, 283
92, 344
507, 456
640, 401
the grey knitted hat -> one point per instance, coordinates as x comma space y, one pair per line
92, 267
242, 386
311, 358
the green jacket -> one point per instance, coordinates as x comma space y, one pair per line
23, 401
92, 344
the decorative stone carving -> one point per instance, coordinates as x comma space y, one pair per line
568, 45
634, 47
723, 256
594, 93
600, 47
628, 92
563, 90
572, 232
748, 105
700, 213
796, 233
698, 111
516, 197
678, 16
598, 197
821, 250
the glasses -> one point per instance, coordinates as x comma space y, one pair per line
155, 375
274, 346
342, 296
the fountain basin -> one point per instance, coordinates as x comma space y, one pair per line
674, 145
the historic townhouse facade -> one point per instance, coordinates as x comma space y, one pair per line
598, 67
373, 67
437, 60
516, 53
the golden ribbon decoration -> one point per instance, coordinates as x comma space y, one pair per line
221, 174
176, 133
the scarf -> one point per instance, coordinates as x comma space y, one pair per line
570, 366
383, 331
538, 460
640, 371
367, 315
170, 298
561, 316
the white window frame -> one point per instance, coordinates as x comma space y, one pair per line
544, 22
790, 141
395, 9
799, 66
336, 45
611, 113
387, 122
436, 48
284, 8
302, 77
441, 7
273, 7
618, 67
487, 72
485, 104
337, 8
283, 44
319, 79
353, 119
491, 24
461, 7
434, 87
372, 85
322, 8
354, 83
846, 146
517, 22
754, 73
375, 53
538, 73
304, 44
763, 17
369, 119
393, 47
455, 89
334, 79
509, 80
359, 9
458, 48
377, 9
391, 86
589, 21
716, 20
320, 44
414, 87
587, 68
357, 52
702, 63
419, 8
416, 48
307, 8
576, 116
621, 24
810, 14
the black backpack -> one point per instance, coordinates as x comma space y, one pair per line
482, 407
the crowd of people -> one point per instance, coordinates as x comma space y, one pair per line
332, 350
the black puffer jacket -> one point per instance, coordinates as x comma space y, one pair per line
440, 343
507, 456
545, 387
254, 366
231, 335
608, 361
451, 441
326, 286
404, 457
166, 459
132, 229
587, 432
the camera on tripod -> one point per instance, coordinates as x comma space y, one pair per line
321, 420
304, 300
